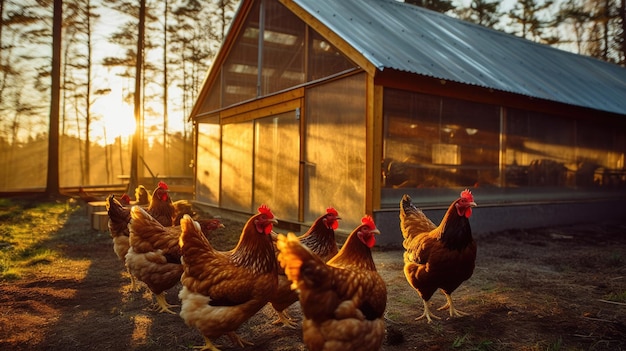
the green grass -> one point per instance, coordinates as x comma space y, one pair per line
26, 227
617, 297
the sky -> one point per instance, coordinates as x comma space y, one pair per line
113, 113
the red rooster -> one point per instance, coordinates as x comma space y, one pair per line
320, 238
438, 257
222, 290
343, 300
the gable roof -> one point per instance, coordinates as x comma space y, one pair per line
394, 35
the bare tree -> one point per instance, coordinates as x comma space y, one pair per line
52, 183
529, 19
134, 176
483, 12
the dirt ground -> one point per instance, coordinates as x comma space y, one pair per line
542, 289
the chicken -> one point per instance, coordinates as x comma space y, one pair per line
320, 238
142, 197
438, 257
343, 300
154, 253
166, 211
160, 206
119, 217
125, 200
221, 290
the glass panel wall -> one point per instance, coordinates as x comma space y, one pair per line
549, 151
335, 149
540, 149
237, 153
432, 142
239, 72
324, 59
208, 163
434, 146
282, 57
277, 164
283, 49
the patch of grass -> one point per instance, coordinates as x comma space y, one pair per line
38, 256
555, 346
465, 343
617, 297
460, 341
484, 345
26, 229
615, 259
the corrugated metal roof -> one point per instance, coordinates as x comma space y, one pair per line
399, 36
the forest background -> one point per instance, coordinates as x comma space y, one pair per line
98, 107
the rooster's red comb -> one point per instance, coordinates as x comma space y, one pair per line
467, 194
332, 211
162, 185
368, 221
266, 211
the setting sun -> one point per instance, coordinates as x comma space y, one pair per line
112, 119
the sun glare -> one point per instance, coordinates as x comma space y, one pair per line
113, 120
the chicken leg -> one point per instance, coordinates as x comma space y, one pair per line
133, 282
285, 319
237, 340
208, 346
427, 313
163, 305
449, 305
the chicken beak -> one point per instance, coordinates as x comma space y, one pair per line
472, 204
375, 231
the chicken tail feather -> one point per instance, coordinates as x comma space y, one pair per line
191, 234
117, 212
142, 221
412, 220
292, 256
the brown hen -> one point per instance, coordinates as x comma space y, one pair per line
154, 254
343, 300
119, 217
438, 257
320, 238
221, 290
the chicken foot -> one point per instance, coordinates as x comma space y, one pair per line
427, 313
285, 319
133, 282
449, 305
237, 340
208, 346
163, 305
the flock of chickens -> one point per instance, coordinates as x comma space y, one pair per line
342, 297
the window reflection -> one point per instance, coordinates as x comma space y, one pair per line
437, 142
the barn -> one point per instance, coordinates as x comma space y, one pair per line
352, 103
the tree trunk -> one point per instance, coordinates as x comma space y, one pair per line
52, 183
137, 137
